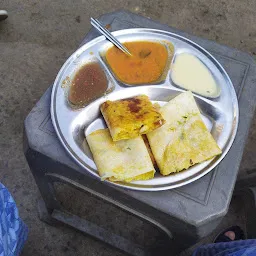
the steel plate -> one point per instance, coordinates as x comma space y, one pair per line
219, 114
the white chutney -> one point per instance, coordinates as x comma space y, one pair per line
190, 73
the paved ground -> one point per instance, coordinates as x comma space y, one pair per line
34, 43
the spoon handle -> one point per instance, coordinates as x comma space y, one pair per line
95, 23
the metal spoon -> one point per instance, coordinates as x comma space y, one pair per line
95, 23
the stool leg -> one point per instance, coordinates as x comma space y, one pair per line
48, 202
251, 215
44, 214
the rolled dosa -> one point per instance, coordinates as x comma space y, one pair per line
124, 160
183, 140
131, 117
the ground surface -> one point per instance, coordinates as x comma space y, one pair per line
35, 41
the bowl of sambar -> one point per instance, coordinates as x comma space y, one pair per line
146, 65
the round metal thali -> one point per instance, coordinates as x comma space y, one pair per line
219, 114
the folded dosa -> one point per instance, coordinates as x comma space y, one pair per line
124, 160
183, 140
131, 117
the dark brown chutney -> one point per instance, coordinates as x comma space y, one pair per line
89, 83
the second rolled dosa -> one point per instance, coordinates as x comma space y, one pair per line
183, 140
124, 160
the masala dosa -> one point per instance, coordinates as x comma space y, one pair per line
183, 140
131, 117
124, 160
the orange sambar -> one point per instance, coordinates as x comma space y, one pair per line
146, 64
